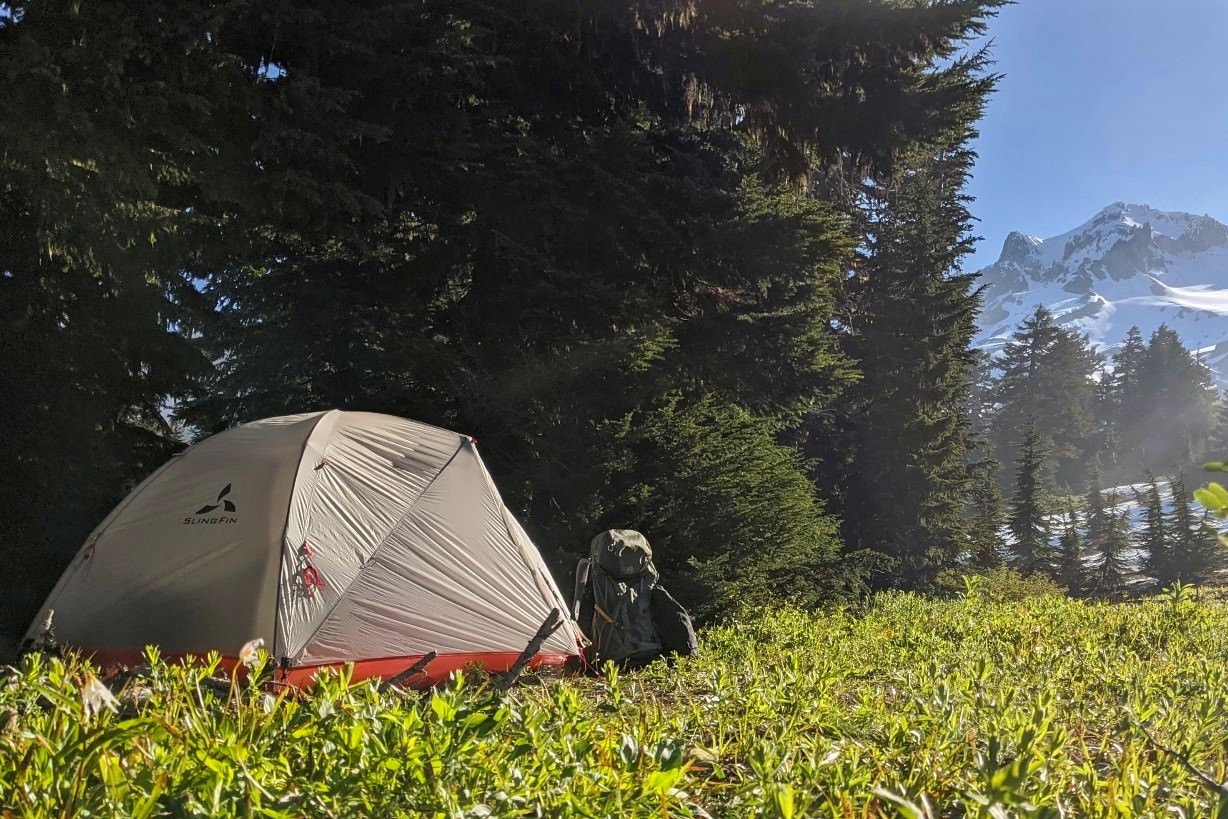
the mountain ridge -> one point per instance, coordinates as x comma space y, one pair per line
1130, 264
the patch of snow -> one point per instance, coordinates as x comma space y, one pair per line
1197, 297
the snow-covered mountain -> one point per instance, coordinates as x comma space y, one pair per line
1129, 265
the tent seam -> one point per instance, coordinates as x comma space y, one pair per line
281, 564
379, 546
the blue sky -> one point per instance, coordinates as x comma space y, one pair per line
1103, 100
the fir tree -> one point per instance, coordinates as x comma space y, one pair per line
591, 206
1160, 406
1180, 526
1177, 410
1111, 544
986, 517
529, 223
140, 150
1208, 555
1047, 376
913, 320
981, 401
1029, 520
1218, 446
1095, 509
765, 536
1071, 569
1154, 537
1128, 364
1194, 548
1124, 392
1108, 445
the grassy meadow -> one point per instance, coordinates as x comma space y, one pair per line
905, 706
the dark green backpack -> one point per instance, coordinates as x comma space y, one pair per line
620, 605
614, 596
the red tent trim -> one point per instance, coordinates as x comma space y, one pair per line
303, 676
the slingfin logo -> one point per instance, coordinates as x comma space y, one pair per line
221, 502
225, 504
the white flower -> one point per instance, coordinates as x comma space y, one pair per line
250, 653
95, 695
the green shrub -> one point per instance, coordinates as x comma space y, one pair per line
964, 707
999, 584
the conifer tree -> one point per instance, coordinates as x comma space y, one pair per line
1208, 554
591, 206
981, 401
1154, 537
986, 517
1160, 405
1176, 408
1194, 548
1124, 394
1128, 364
141, 148
1110, 545
1180, 526
1095, 509
1047, 376
1217, 448
531, 222
1071, 569
764, 536
1029, 518
1107, 537
911, 326
1108, 445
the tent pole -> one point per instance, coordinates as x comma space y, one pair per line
409, 673
549, 626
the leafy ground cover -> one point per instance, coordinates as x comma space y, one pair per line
904, 707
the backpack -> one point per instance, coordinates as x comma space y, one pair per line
630, 619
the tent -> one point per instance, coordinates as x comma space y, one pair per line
334, 537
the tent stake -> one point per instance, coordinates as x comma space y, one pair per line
549, 626
409, 673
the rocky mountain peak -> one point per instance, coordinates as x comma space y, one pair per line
1019, 248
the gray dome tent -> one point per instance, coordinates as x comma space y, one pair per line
334, 537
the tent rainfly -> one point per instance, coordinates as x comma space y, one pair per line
335, 537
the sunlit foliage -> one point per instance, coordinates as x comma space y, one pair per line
1039, 706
